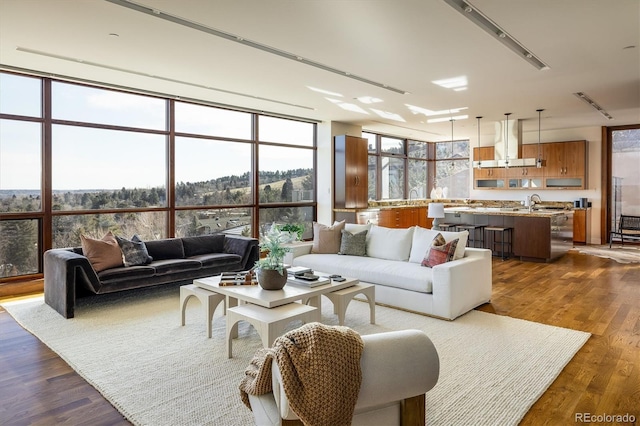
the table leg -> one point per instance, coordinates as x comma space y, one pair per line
316, 302
231, 302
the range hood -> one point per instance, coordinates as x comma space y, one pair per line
507, 147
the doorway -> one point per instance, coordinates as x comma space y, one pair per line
622, 176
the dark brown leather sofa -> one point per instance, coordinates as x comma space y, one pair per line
68, 274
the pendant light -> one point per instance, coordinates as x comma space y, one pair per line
506, 141
539, 160
479, 160
452, 164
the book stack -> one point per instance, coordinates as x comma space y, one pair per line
238, 278
297, 270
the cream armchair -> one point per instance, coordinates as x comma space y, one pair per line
398, 368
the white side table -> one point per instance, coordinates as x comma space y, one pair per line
209, 300
341, 299
268, 322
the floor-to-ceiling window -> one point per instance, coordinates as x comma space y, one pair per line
624, 174
77, 159
405, 168
452, 170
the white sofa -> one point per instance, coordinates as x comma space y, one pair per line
393, 264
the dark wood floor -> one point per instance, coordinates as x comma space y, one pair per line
577, 291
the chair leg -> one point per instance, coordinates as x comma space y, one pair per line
413, 411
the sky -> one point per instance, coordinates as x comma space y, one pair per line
86, 158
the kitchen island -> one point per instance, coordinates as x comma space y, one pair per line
538, 235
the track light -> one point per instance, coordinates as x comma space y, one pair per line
483, 21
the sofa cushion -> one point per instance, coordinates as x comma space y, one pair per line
440, 252
169, 248
126, 273
326, 239
390, 273
217, 259
389, 243
102, 254
204, 244
134, 251
423, 237
170, 266
354, 244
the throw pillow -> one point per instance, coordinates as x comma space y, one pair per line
353, 244
422, 238
134, 251
440, 251
326, 239
389, 243
102, 254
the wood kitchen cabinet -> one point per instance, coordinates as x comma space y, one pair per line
351, 188
565, 167
526, 177
404, 217
566, 164
581, 228
530, 151
487, 177
389, 218
412, 216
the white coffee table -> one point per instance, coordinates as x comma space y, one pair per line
254, 294
272, 298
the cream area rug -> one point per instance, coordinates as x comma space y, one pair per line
132, 348
621, 254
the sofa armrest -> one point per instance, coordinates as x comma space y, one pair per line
299, 248
62, 270
404, 363
462, 284
246, 247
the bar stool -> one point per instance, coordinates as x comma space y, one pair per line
447, 226
474, 235
506, 235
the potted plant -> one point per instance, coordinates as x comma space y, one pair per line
295, 230
270, 270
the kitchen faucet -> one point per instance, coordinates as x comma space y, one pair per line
533, 201
411, 192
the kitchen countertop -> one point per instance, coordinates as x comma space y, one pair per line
485, 207
501, 211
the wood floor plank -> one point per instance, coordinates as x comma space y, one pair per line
577, 291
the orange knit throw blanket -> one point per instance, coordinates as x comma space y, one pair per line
321, 374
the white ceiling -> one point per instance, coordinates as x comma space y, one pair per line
405, 44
